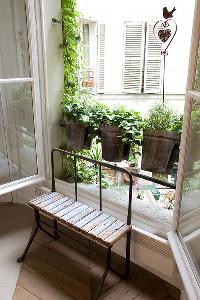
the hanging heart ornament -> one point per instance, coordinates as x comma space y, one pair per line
164, 34
164, 31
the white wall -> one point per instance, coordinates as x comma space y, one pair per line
54, 72
113, 14
142, 102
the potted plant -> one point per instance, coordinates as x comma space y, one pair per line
120, 127
76, 121
97, 113
161, 139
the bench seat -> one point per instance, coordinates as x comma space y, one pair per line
82, 218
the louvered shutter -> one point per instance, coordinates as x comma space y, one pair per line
101, 58
153, 63
134, 38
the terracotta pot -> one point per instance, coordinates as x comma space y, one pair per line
112, 145
75, 135
157, 150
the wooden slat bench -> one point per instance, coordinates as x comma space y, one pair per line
90, 222
94, 224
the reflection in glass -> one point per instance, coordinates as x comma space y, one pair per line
14, 58
17, 139
190, 207
191, 190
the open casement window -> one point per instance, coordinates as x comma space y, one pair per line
184, 237
153, 62
21, 151
101, 58
134, 38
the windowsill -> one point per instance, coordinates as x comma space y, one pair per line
19, 184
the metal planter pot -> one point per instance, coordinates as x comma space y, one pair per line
75, 134
112, 145
159, 150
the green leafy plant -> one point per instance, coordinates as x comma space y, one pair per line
98, 113
135, 152
163, 117
75, 108
83, 109
128, 121
85, 171
71, 41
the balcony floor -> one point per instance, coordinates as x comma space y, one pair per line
62, 269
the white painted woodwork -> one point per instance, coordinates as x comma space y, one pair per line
101, 57
153, 62
134, 38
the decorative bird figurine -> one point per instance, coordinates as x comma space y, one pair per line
168, 14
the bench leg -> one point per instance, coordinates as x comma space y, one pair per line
56, 235
126, 273
37, 218
128, 248
45, 231
108, 267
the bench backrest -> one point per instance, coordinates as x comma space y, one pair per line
99, 165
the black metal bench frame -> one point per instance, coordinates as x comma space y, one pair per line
98, 164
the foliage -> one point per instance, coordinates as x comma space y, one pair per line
197, 75
86, 172
83, 109
75, 107
95, 152
135, 152
98, 113
71, 40
128, 121
163, 117
195, 116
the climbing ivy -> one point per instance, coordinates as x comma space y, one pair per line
71, 40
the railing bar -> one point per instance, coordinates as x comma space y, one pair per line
130, 200
75, 177
100, 187
114, 167
52, 173
155, 180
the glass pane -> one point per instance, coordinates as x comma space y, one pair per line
17, 144
14, 52
86, 45
4, 165
190, 209
191, 189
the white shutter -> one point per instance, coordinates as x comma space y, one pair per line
153, 62
101, 58
133, 56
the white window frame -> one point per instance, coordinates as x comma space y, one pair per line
144, 57
188, 272
37, 101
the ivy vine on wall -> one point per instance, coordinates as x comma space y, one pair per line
71, 40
